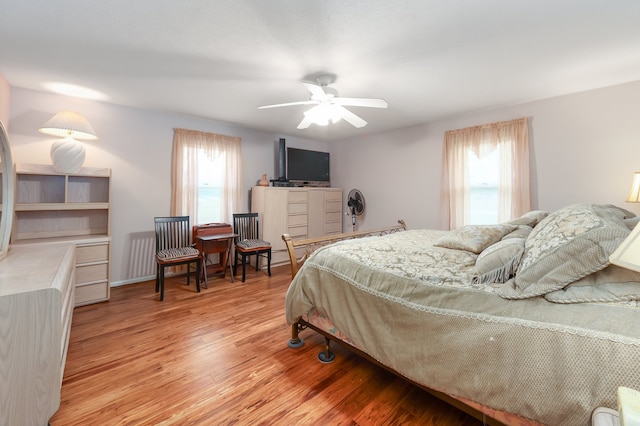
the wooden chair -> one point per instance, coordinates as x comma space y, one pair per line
173, 248
248, 242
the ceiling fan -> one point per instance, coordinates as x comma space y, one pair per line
328, 106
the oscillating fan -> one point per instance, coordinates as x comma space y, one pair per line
356, 205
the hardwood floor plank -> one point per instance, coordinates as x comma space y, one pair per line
219, 357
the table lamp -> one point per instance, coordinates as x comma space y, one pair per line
68, 154
627, 254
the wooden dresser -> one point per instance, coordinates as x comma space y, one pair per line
36, 306
299, 212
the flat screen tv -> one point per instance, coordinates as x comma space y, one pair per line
305, 167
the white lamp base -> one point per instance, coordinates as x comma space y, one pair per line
67, 155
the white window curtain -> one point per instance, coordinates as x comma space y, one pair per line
188, 145
513, 186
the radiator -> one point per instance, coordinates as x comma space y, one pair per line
141, 256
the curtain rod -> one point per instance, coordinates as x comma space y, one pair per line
200, 132
484, 126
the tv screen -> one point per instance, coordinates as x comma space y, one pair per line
307, 166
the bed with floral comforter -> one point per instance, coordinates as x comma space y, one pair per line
526, 317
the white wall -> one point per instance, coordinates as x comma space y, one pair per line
584, 148
136, 144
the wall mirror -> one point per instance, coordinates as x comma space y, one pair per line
8, 188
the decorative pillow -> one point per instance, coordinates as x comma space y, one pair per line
531, 218
522, 231
567, 245
474, 238
631, 222
611, 284
498, 262
627, 213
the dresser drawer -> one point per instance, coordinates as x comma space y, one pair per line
333, 196
91, 273
298, 231
297, 208
297, 220
333, 217
298, 196
92, 253
333, 206
333, 228
89, 293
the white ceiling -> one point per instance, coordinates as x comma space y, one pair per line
222, 59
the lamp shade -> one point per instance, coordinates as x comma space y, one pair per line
69, 123
627, 254
634, 193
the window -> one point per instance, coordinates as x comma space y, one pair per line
484, 179
206, 179
210, 181
485, 174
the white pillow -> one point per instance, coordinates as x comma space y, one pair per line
567, 245
498, 262
474, 238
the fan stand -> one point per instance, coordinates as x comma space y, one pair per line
356, 205
353, 220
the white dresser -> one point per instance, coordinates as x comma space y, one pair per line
36, 306
299, 212
52, 208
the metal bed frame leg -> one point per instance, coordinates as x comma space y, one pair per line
295, 342
326, 356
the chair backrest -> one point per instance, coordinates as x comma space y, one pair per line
172, 232
246, 226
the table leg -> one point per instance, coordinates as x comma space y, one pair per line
204, 268
229, 243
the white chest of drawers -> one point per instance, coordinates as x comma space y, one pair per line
36, 308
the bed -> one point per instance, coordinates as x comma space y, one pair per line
523, 322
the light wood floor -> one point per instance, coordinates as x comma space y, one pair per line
220, 358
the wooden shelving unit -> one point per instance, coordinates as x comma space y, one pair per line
54, 207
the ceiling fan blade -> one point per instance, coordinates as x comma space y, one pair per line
317, 92
306, 122
361, 102
310, 102
350, 117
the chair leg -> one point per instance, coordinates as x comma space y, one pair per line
244, 266
157, 277
269, 262
161, 283
235, 263
203, 271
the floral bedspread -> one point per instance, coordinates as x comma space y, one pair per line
411, 254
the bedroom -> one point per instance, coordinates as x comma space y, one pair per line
584, 148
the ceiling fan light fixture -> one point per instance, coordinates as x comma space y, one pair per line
318, 115
336, 113
324, 112
328, 105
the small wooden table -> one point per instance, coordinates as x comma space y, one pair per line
212, 240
